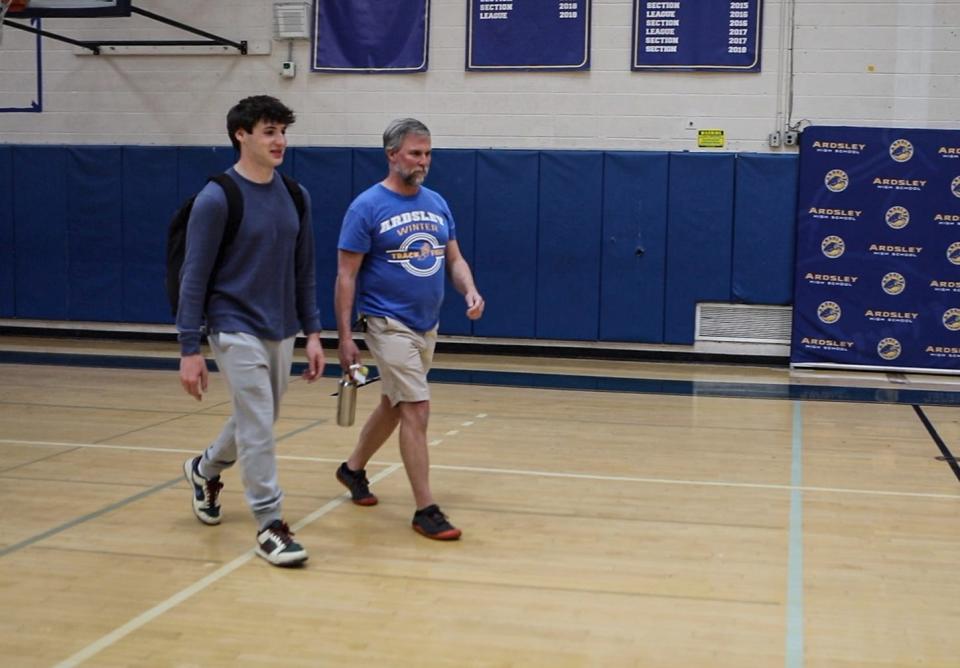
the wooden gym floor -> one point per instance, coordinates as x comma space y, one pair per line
614, 514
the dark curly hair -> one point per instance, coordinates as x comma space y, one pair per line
250, 110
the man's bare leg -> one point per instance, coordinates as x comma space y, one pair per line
414, 417
374, 434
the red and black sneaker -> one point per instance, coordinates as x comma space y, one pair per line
432, 523
357, 483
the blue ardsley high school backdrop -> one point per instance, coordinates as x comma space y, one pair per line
552, 235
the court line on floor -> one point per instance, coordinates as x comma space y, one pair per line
7, 471
148, 616
114, 436
795, 631
945, 453
531, 586
560, 381
543, 474
113, 506
702, 483
85, 518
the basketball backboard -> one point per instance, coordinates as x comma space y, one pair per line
71, 8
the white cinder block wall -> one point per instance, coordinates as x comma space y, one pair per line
877, 62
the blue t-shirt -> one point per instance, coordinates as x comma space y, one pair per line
404, 239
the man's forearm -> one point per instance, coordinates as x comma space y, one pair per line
462, 277
343, 304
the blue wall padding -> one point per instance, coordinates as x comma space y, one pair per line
568, 247
7, 250
369, 167
551, 235
150, 198
327, 174
634, 217
505, 265
95, 234
40, 218
453, 174
195, 164
699, 238
764, 217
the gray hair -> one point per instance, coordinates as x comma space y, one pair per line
395, 133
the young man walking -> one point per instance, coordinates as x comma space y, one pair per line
251, 296
396, 240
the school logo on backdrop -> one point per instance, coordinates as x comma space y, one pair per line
906, 317
901, 150
895, 250
420, 254
833, 246
829, 312
887, 183
822, 213
838, 147
946, 218
889, 348
893, 283
837, 181
826, 344
955, 186
951, 319
838, 280
945, 286
897, 217
953, 252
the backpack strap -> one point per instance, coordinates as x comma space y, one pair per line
296, 193
298, 199
234, 216
234, 209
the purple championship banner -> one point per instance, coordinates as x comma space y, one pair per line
878, 250
369, 36
718, 36
550, 35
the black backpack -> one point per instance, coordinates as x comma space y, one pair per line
177, 232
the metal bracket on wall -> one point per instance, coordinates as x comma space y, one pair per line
97, 46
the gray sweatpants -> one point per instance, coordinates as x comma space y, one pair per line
257, 372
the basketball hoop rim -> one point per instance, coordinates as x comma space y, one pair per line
12, 6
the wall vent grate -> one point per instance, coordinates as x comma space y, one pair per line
745, 323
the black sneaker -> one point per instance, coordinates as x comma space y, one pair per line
357, 483
206, 492
433, 524
275, 544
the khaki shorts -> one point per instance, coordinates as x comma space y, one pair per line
403, 358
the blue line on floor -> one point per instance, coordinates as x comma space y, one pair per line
785, 392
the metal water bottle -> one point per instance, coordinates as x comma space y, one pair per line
347, 394
346, 401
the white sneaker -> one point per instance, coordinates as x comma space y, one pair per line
276, 545
206, 492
